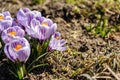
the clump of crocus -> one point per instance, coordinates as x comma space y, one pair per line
37, 27
35, 24
18, 51
25, 15
39, 32
12, 33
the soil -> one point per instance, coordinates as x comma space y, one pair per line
71, 24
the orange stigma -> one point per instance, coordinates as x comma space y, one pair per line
12, 33
44, 24
57, 37
1, 17
18, 47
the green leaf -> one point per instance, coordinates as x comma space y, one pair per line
36, 60
45, 46
36, 66
87, 28
13, 72
103, 34
20, 71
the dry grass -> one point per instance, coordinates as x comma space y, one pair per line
82, 66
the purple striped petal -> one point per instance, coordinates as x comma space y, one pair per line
7, 13
7, 52
48, 21
23, 54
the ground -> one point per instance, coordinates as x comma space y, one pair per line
89, 55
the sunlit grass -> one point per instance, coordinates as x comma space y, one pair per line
85, 66
38, 1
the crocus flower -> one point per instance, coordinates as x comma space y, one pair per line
42, 28
17, 50
56, 43
5, 20
46, 29
11, 33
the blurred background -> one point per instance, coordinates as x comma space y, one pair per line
77, 19
92, 31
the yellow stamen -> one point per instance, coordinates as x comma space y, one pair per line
18, 47
68, 50
12, 33
57, 37
1, 17
44, 24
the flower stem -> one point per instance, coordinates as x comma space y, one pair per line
45, 46
21, 71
